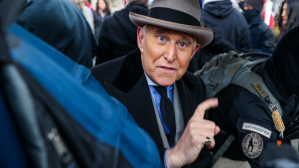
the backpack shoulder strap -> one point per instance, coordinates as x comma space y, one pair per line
245, 78
219, 72
223, 148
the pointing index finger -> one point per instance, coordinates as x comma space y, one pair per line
204, 106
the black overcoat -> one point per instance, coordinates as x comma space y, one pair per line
118, 35
124, 79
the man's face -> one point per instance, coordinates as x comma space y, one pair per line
165, 53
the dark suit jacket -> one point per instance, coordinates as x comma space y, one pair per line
124, 79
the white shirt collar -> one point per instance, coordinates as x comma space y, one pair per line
151, 83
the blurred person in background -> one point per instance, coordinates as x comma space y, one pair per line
62, 25
235, 4
222, 17
241, 4
115, 5
86, 12
118, 34
88, 4
102, 13
288, 16
218, 45
262, 38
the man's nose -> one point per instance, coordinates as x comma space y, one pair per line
170, 55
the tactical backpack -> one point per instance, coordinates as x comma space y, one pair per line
231, 68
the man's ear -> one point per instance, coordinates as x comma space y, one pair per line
140, 39
195, 49
125, 2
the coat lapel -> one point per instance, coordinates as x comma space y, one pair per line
130, 87
139, 104
178, 112
188, 94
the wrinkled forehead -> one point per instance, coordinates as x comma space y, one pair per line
162, 30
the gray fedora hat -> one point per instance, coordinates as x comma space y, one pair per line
178, 15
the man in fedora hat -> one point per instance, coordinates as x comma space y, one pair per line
152, 82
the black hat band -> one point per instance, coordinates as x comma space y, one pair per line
173, 15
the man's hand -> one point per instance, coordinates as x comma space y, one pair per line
193, 139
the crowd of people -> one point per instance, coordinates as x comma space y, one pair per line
145, 56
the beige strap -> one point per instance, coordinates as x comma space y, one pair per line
234, 68
260, 89
211, 63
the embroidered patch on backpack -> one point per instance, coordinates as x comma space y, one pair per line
252, 145
256, 128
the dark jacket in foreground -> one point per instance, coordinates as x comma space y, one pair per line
238, 107
221, 16
262, 38
63, 96
118, 35
61, 24
124, 79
